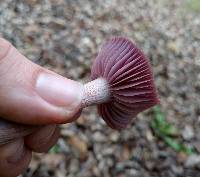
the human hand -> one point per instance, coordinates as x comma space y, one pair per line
30, 94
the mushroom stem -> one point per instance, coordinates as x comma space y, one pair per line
96, 92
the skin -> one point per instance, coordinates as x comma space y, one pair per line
24, 98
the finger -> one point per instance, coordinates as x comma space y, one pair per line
43, 139
28, 90
10, 131
14, 158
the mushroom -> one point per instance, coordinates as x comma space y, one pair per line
122, 86
122, 82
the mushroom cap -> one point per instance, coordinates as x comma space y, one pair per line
130, 78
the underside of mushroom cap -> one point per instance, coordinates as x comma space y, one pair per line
128, 72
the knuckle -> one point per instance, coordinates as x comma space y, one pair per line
5, 48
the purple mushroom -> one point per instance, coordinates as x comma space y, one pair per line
122, 83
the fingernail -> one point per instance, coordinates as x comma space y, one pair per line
59, 91
15, 150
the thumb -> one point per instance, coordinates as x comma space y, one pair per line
31, 94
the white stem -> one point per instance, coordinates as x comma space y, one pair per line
96, 92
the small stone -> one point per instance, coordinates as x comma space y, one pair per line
32, 2
133, 172
177, 170
58, 24
120, 175
192, 161
80, 145
63, 146
188, 133
125, 154
99, 137
182, 157
174, 46
108, 151
196, 35
57, 2
30, 29
114, 136
87, 41
149, 136
66, 131
197, 146
150, 165
81, 120
53, 160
